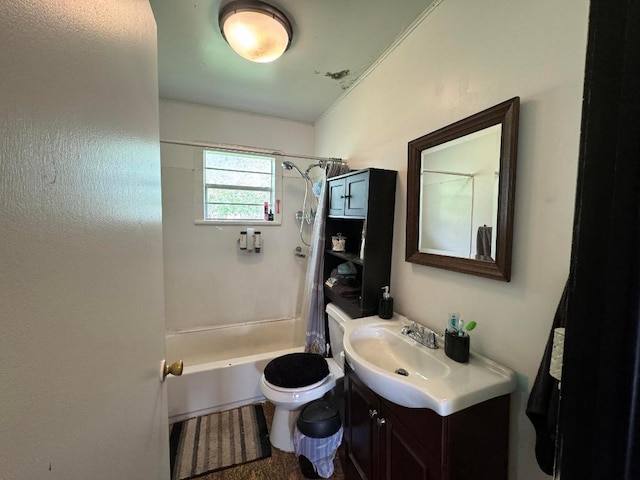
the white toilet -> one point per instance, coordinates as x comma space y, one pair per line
289, 401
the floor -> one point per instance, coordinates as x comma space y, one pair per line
280, 466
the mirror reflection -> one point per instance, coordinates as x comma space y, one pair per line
459, 196
460, 190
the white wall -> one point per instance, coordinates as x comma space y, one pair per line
464, 57
81, 304
207, 280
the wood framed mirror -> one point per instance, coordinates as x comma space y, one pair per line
460, 194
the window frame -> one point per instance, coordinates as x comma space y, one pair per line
200, 187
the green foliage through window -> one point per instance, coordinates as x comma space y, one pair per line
236, 185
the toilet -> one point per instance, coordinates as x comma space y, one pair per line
313, 376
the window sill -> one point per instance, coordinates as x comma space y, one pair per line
240, 223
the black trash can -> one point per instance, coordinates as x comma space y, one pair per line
317, 437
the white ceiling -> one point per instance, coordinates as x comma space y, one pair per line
334, 43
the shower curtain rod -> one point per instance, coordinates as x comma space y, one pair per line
238, 148
470, 175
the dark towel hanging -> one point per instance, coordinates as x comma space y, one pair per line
542, 407
483, 244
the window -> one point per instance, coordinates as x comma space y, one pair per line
236, 186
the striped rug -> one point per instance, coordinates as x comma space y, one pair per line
217, 441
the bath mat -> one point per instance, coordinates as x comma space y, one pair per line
217, 441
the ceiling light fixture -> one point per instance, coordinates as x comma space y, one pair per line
255, 30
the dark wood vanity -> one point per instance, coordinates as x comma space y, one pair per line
385, 441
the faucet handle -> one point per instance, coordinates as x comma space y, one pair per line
432, 339
408, 328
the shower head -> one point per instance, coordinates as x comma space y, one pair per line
287, 165
320, 164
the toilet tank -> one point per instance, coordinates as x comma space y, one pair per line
336, 318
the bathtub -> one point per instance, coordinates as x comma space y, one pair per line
223, 365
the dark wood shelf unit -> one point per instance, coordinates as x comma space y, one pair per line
363, 199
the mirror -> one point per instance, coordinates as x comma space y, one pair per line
460, 194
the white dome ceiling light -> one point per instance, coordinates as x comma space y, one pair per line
255, 30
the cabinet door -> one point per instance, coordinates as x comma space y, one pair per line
362, 410
336, 197
356, 195
404, 457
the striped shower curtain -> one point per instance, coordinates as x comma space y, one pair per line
313, 298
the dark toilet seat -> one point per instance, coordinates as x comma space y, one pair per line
296, 370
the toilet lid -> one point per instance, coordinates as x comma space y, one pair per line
296, 370
297, 389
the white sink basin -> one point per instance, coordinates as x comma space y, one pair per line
409, 374
385, 349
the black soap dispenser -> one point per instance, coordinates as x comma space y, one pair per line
385, 306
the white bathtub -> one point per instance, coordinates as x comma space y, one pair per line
223, 365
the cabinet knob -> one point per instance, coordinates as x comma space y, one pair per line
381, 421
373, 413
345, 196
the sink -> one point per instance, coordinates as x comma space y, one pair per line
385, 349
409, 374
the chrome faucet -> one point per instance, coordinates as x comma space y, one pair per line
417, 333
411, 330
432, 340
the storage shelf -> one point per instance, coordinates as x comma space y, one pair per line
351, 305
361, 203
349, 257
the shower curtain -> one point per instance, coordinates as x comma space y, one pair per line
313, 298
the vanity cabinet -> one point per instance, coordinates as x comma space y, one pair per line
361, 207
385, 441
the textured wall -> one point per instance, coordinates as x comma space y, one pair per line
81, 303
